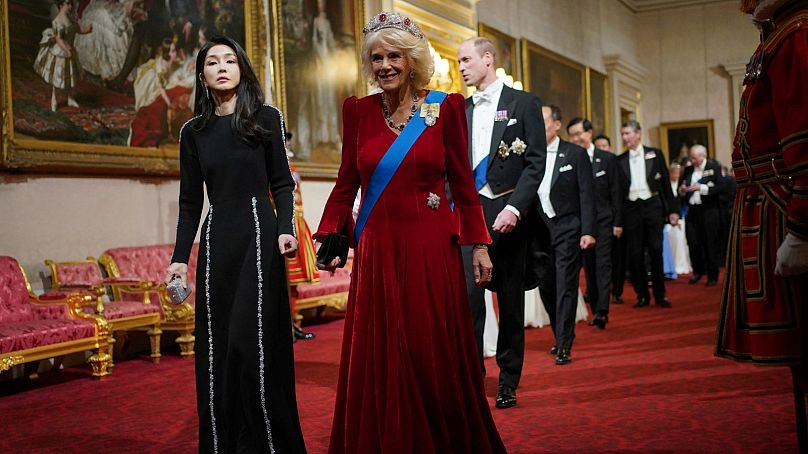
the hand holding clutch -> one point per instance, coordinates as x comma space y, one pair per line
333, 246
176, 292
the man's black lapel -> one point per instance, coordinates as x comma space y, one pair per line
650, 167
469, 116
562, 157
507, 102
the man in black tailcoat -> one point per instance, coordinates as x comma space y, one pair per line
648, 202
506, 151
598, 261
701, 187
567, 205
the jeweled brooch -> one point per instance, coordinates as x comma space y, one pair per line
518, 147
503, 151
433, 201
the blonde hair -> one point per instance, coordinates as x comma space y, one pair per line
415, 50
483, 45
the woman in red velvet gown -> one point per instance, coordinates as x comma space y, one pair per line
409, 378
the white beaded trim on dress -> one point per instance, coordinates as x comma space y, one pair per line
210, 332
261, 325
286, 153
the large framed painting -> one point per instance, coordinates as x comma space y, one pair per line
103, 86
555, 79
597, 101
677, 138
506, 47
316, 61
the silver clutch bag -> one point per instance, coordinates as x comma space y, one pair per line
176, 292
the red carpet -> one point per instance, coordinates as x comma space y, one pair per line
648, 383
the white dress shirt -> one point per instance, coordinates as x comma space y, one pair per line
698, 174
482, 127
591, 152
547, 179
639, 185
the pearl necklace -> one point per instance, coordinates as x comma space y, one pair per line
388, 116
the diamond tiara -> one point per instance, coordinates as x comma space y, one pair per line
387, 19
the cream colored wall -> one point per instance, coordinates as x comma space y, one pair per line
582, 30
71, 218
681, 51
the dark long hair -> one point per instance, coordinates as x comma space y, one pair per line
249, 97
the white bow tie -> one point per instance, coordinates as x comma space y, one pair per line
480, 96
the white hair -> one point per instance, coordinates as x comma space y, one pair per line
701, 150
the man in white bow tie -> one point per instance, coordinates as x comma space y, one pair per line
506, 151
567, 203
648, 203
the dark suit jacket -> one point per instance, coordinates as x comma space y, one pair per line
521, 172
712, 178
572, 188
607, 189
656, 174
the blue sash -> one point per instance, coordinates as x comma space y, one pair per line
391, 160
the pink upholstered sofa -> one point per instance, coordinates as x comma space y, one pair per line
329, 290
34, 328
148, 265
134, 314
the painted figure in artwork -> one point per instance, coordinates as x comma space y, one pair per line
57, 62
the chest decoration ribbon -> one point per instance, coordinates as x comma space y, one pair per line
395, 155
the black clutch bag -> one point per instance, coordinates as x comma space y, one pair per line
334, 245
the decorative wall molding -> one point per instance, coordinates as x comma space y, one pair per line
644, 6
734, 72
625, 88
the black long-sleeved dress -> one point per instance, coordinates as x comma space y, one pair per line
244, 360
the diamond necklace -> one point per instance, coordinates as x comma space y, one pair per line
388, 116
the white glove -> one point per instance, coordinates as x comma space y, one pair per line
792, 257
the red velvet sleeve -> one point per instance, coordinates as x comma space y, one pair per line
337, 214
790, 98
458, 172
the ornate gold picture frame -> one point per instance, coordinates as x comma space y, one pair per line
316, 66
597, 101
676, 138
43, 130
555, 79
507, 48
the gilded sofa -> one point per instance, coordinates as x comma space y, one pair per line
136, 313
33, 328
148, 264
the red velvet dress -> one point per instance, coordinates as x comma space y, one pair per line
763, 315
410, 378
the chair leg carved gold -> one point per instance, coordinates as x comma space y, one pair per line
154, 339
186, 341
100, 362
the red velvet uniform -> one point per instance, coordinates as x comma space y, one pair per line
763, 315
410, 378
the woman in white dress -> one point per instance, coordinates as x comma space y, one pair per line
676, 234
317, 122
103, 51
57, 62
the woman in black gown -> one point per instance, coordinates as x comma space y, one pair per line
244, 361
